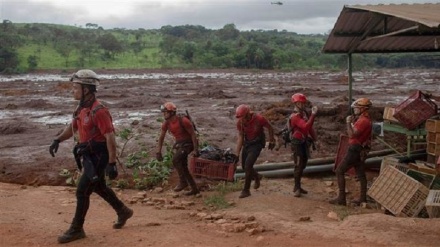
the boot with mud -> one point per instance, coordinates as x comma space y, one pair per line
194, 189
244, 193
72, 234
297, 193
124, 214
340, 200
257, 181
182, 180
363, 192
181, 186
303, 191
192, 192
297, 187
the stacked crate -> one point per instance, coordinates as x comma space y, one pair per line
432, 127
399, 193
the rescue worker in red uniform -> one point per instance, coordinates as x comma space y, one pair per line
252, 139
302, 134
182, 129
96, 148
359, 129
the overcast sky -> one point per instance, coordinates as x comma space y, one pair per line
300, 16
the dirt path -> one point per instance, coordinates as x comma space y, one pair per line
35, 216
33, 111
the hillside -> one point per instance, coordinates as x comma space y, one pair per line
31, 47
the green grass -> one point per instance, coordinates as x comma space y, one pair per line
218, 200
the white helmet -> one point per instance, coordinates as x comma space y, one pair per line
86, 77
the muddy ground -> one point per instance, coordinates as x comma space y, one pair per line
34, 108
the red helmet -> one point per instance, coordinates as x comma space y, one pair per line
168, 106
242, 110
299, 97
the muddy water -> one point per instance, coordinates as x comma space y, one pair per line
383, 87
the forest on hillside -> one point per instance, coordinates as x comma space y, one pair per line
28, 47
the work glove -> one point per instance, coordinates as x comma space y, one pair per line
196, 153
111, 171
54, 147
314, 110
271, 145
159, 156
236, 159
349, 119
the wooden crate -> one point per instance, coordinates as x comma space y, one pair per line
433, 148
433, 137
393, 161
399, 193
433, 204
432, 125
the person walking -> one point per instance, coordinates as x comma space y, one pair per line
300, 124
251, 140
95, 153
359, 128
186, 142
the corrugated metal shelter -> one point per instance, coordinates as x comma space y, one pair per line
393, 28
386, 28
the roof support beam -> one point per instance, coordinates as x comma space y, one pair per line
393, 33
371, 25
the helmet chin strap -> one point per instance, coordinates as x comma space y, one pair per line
86, 99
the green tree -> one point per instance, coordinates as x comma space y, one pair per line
32, 62
110, 44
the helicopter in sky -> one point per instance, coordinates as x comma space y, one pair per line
277, 3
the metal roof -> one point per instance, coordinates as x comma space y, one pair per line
385, 29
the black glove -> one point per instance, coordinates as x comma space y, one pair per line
159, 156
196, 153
271, 145
111, 171
54, 147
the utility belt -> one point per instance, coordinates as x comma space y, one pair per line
87, 148
363, 150
296, 141
182, 144
308, 141
261, 139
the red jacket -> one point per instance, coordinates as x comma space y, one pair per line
93, 125
301, 125
363, 126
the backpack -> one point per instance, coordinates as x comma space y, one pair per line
185, 115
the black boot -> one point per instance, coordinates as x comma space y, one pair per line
182, 179
244, 193
303, 191
258, 178
340, 200
363, 192
192, 192
180, 186
297, 178
124, 214
190, 180
72, 234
